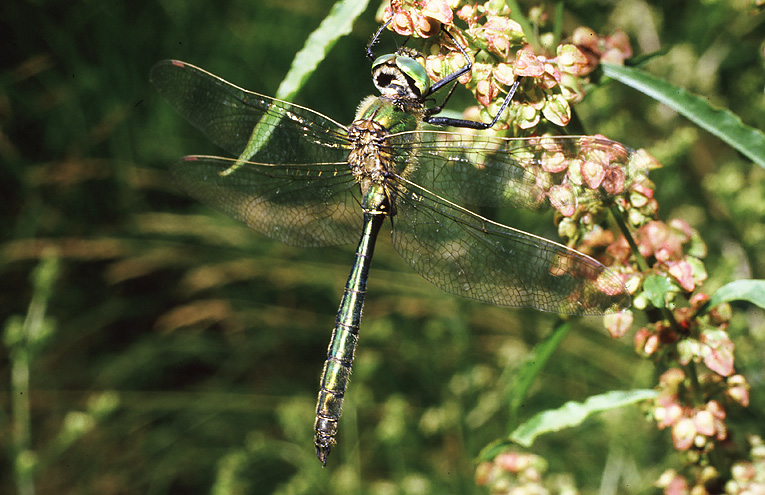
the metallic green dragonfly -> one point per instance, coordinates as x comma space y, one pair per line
307, 180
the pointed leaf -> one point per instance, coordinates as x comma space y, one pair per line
740, 290
528, 372
336, 25
722, 123
574, 413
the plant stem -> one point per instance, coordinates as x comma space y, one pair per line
22, 340
22, 425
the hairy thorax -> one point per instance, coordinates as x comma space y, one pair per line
368, 158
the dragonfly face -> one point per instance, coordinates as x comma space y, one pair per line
400, 75
307, 180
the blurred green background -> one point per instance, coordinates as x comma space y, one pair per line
210, 338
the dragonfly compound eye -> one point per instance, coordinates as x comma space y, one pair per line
415, 72
398, 75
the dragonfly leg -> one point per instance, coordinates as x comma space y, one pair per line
454, 75
375, 38
473, 124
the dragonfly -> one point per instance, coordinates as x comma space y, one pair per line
302, 178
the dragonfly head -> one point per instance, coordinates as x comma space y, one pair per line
400, 75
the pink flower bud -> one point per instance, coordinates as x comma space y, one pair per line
402, 23
683, 434
617, 324
738, 390
503, 73
485, 92
585, 37
592, 173
703, 422
718, 351
527, 64
681, 271
562, 199
438, 10
573, 60
425, 27
557, 110
613, 180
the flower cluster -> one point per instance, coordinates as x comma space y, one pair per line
696, 428
520, 473
553, 76
661, 265
663, 268
746, 477
660, 262
749, 476
423, 19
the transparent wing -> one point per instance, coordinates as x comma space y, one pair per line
470, 256
292, 181
228, 115
562, 171
305, 205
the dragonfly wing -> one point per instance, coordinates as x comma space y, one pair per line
302, 205
473, 257
470, 169
230, 116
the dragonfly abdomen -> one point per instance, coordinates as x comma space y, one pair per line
345, 335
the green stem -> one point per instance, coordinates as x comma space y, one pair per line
22, 340
641, 262
525, 375
21, 418
516, 14
690, 371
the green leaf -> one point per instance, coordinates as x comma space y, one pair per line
740, 290
528, 372
574, 413
336, 25
656, 288
722, 123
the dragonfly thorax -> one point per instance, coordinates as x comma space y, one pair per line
370, 165
367, 159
